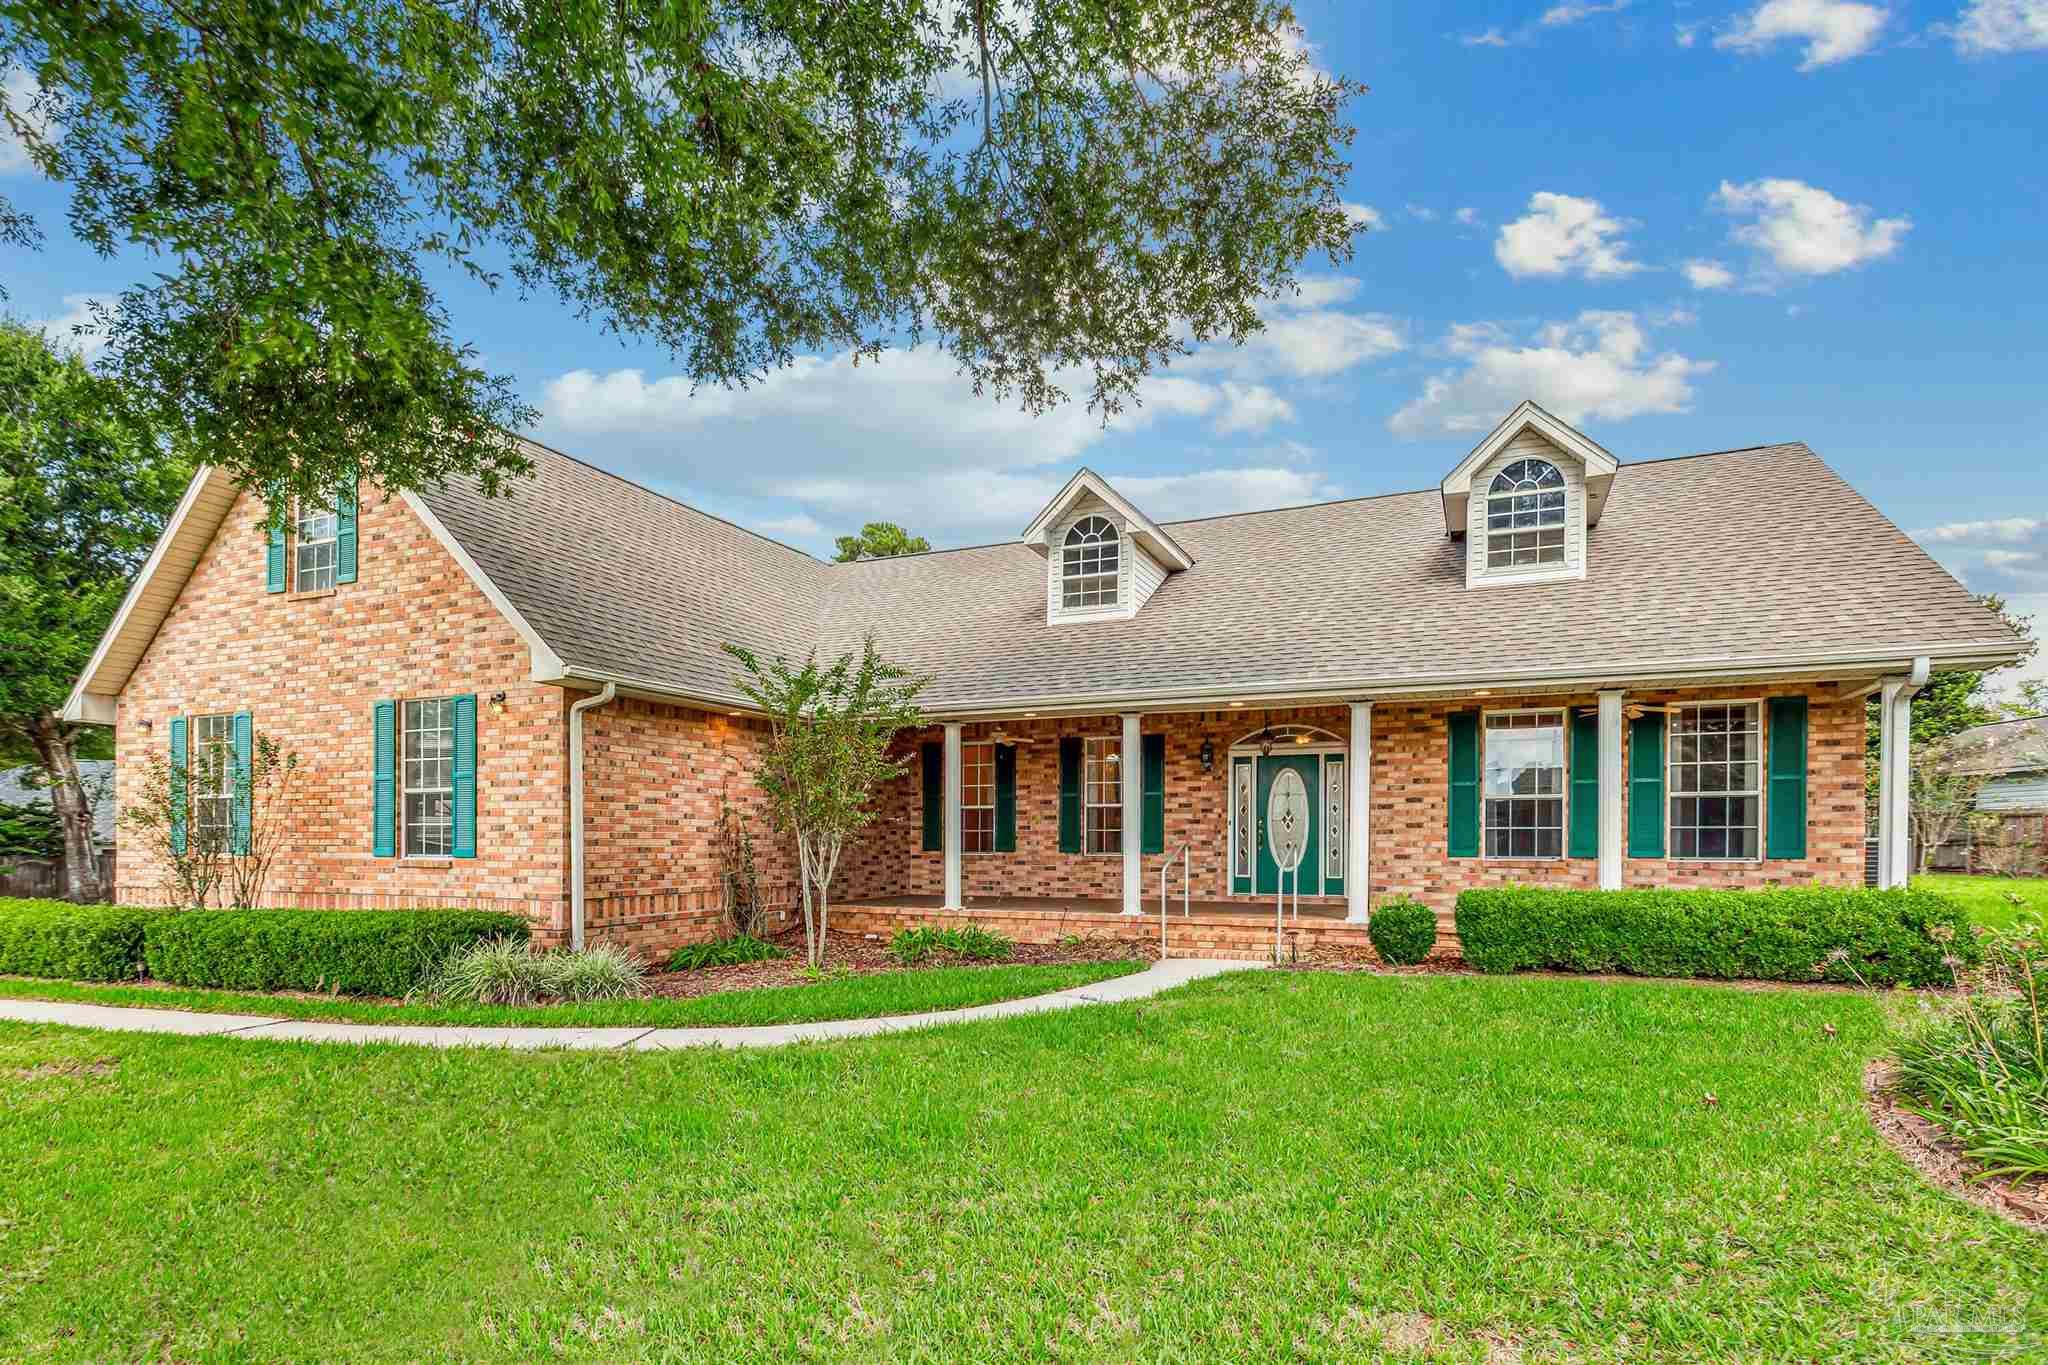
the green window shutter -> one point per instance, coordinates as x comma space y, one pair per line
465, 777
1006, 798
1646, 787
1464, 785
384, 783
934, 797
345, 535
1152, 809
1787, 836
1070, 794
1585, 830
244, 736
273, 561
179, 763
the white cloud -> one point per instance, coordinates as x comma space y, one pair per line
1563, 235
1251, 407
1803, 230
1600, 365
2006, 529
76, 329
1420, 213
1988, 27
1572, 11
1492, 37
1218, 492
1366, 214
1686, 34
1707, 274
800, 526
18, 89
1833, 30
1675, 316
2008, 559
1468, 216
1305, 337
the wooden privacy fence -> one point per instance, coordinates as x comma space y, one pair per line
43, 878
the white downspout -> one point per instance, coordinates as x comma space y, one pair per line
576, 710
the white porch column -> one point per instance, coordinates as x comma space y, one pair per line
951, 840
1132, 762
1358, 817
1895, 760
1613, 783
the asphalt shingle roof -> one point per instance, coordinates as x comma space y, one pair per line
1753, 554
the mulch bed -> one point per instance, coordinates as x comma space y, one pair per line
863, 956
1928, 1150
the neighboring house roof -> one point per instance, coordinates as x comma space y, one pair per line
1702, 566
2004, 747
24, 787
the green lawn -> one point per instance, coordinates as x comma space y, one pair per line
1985, 897
850, 997
1255, 1167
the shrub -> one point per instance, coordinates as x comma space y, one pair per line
1980, 1069
507, 971
81, 942
724, 952
1402, 931
348, 952
1900, 937
972, 942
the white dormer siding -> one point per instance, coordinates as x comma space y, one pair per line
1527, 445
1145, 553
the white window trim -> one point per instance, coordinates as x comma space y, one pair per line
966, 764
1117, 803
1763, 779
405, 849
195, 794
1115, 543
1564, 844
298, 542
1541, 568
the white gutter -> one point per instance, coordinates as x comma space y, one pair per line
576, 711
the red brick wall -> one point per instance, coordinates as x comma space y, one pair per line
655, 777
309, 667
1408, 811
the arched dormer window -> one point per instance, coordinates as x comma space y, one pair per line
1088, 564
1525, 516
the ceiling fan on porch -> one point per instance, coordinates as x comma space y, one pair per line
999, 735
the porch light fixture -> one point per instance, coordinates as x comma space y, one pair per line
1208, 755
1301, 738
1237, 703
497, 703
147, 726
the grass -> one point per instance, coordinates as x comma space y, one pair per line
1985, 897
1257, 1166
849, 997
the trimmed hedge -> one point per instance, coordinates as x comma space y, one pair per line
1402, 931
1792, 934
347, 952
77, 942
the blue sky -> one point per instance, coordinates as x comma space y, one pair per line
1683, 226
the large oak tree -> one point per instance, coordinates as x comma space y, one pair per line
1041, 187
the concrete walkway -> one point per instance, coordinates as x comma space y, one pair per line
1160, 976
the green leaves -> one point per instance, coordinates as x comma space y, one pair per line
1057, 192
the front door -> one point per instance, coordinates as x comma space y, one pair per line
1308, 767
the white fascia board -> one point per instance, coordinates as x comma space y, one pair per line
547, 665
78, 710
1162, 546
1528, 416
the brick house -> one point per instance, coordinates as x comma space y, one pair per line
1553, 668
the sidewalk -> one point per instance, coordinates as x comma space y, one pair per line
1160, 976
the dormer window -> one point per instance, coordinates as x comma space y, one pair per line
1525, 516
1088, 564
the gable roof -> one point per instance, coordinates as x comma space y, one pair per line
1713, 565
1148, 532
1528, 415
2005, 746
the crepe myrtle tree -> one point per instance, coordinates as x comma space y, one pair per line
1038, 188
830, 727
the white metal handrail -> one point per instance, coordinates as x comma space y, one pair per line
1187, 884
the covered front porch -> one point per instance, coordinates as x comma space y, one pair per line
1192, 928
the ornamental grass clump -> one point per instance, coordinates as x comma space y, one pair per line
1980, 1067
507, 971
970, 943
725, 952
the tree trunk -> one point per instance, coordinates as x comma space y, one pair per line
53, 741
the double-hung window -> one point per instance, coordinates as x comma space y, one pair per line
314, 556
428, 737
1525, 517
1525, 784
1104, 795
1716, 781
1088, 564
212, 783
977, 798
